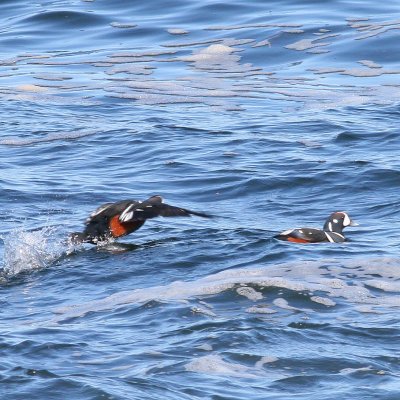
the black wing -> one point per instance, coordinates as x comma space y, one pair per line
154, 207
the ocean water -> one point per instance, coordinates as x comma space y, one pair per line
266, 114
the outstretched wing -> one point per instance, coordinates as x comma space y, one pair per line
98, 211
154, 207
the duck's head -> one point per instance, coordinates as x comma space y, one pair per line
337, 221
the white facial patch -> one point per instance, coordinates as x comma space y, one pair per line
335, 221
346, 221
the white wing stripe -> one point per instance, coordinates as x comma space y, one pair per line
288, 232
100, 209
126, 216
125, 213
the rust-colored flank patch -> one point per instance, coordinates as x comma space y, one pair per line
297, 240
117, 229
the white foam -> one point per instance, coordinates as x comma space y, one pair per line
31, 88
323, 300
177, 31
126, 55
249, 292
205, 347
293, 31
204, 311
311, 44
348, 371
214, 364
283, 303
370, 64
366, 309
370, 72
384, 285
211, 92
260, 310
266, 360
265, 42
327, 278
305, 44
327, 70
373, 29
215, 56
247, 26
16, 141
135, 69
52, 77
212, 50
122, 25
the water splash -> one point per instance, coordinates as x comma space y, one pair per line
26, 251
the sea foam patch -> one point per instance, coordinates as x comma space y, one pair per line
50, 137
214, 364
324, 284
219, 53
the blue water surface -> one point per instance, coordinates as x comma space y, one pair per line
267, 115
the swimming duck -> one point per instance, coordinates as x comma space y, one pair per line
331, 232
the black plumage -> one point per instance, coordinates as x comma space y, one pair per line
112, 220
331, 232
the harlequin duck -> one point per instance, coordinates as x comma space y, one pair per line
113, 220
331, 232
